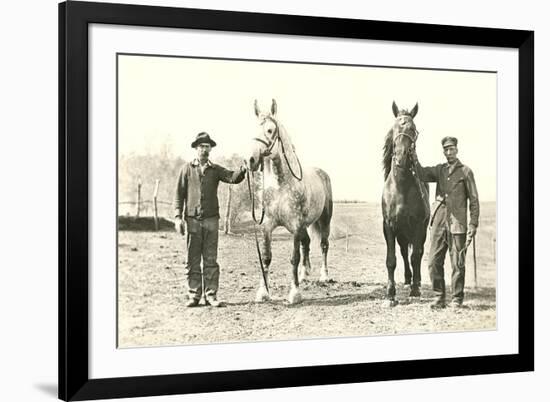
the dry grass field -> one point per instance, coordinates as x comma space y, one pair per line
151, 288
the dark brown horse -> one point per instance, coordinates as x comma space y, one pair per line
300, 201
405, 205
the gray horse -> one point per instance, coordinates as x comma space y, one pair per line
300, 200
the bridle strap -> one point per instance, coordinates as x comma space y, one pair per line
413, 139
269, 145
412, 168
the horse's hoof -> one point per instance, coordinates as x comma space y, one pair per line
415, 292
304, 271
262, 296
324, 277
294, 297
391, 303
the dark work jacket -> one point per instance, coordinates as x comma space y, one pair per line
454, 188
196, 194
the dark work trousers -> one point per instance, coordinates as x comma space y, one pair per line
202, 243
442, 240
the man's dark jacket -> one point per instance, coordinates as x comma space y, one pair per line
455, 186
196, 194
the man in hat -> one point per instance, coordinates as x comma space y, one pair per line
449, 227
196, 202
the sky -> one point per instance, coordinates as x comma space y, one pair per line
336, 116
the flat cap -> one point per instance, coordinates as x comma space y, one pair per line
448, 141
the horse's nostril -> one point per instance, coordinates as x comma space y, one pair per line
251, 160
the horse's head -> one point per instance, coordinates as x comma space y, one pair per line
263, 145
403, 135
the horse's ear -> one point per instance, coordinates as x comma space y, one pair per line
256, 108
395, 109
273, 107
414, 110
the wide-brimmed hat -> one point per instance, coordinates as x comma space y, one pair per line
203, 138
449, 141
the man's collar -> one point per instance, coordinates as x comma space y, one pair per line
458, 163
196, 162
455, 165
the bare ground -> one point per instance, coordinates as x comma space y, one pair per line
151, 288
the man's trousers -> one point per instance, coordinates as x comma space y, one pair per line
442, 240
202, 244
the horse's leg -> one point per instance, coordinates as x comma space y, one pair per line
294, 295
391, 263
323, 273
404, 247
306, 265
416, 259
263, 294
324, 232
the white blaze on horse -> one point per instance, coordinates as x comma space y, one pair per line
299, 200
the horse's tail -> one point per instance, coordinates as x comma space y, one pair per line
328, 193
321, 228
329, 201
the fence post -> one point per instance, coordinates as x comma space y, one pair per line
155, 210
138, 197
227, 222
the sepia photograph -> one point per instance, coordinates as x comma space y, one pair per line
271, 200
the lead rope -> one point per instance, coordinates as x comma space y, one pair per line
262, 269
288, 163
420, 189
251, 195
417, 179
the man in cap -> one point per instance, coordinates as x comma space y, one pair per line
449, 227
196, 202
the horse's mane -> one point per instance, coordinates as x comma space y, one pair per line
287, 142
388, 154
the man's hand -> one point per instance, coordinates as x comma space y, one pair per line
243, 168
178, 225
470, 235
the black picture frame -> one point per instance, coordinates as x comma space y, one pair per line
74, 381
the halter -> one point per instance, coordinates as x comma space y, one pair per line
270, 144
410, 150
413, 139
